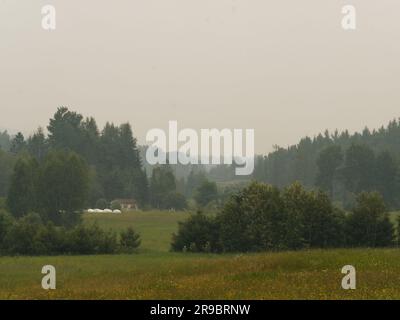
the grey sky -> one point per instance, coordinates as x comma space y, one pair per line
285, 68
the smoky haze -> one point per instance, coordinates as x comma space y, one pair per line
284, 68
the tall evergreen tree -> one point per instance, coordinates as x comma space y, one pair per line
329, 160
7, 161
37, 145
162, 182
64, 186
358, 168
386, 178
18, 143
5, 141
65, 130
23, 192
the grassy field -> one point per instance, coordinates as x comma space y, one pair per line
155, 273
155, 227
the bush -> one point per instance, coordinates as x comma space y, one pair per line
91, 240
29, 236
261, 217
254, 220
129, 241
6, 222
22, 238
312, 221
198, 234
53, 240
368, 225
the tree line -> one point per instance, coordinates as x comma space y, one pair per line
110, 162
46, 181
341, 164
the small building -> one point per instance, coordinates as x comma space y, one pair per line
127, 204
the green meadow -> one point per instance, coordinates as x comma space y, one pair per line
156, 273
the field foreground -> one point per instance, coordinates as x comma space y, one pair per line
155, 273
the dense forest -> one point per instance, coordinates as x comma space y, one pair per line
46, 180
342, 164
113, 165
112, 155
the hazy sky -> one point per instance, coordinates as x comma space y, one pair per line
285, 68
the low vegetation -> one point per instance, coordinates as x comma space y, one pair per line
268, 236
29, 235
263, 218
159, 274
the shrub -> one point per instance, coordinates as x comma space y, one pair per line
368, 225
129, 240
312, 221
29, 236
91, 240
254, 220
52, 239
6, 222
260, 217
198, 234
22, 237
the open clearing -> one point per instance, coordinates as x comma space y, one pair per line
155, 273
